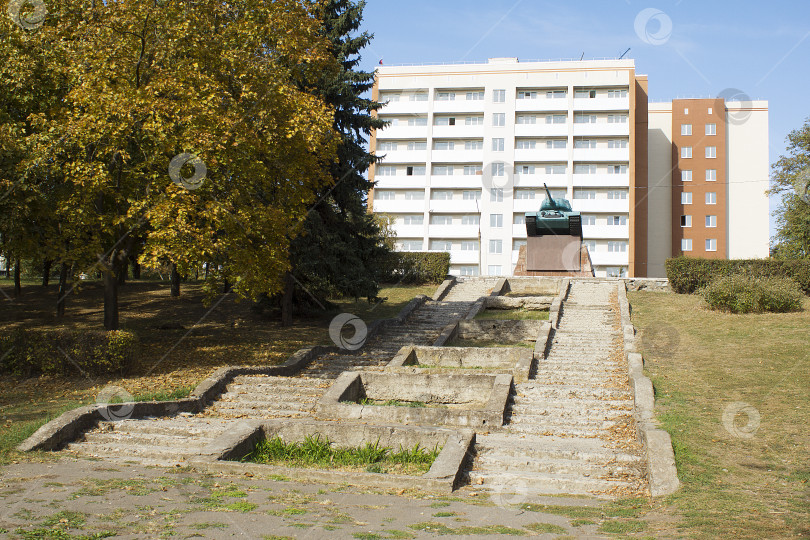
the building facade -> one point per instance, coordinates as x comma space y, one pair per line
469, 148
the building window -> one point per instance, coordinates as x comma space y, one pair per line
617, 169
617, 93
469, 245
524, 169
686, 152
617, 119
527, 119
555, 119
444, 121
584, 94
686, 129
711, 222
556, 144
441, 220
686, 197
616, 271
498, 169
499, 119
495, 270
616, 143
441, 245
414, 195
527, 95
496, 194
470, 219
686, 244
584, 118
471, 195
389, 97
555, 169
384, 170
710, 110
470, 170
555, 94
522, 144
591, 244
416, 219
524, 194
686, 176
496, 220
417, 145
583, 168
468, 270
444, 145
417, 121
617, 220
585, 143
445, 96
497, 145
711, 244
519, 219
617, 247
517, 244
443, 170
384, 195
418, 170
711, 175
589, 220
686, 111
617, 194
474, 145
496, 246
711, 151
441, 195
387, 146
474, 120
411, 245
711, 197
686, 221
475, 96
711, 129
499, 96
419, 96
584, 194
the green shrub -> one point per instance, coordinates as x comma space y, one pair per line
687, 274
417, 266
25, 353
744, 293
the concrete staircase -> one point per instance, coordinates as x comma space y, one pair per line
570, 429
176, 438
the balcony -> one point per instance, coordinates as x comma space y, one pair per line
521, 206
453, 231
462, 130
590, 206
519, 231
403, 156
456, 206
400, 181
409, 231
602, 104
602, 154
456, 181
403, 132
541, 104
541, 129
458, 256
537, 180
541, 155
602, 180
606, 258
457, 156
399, 206
609, 232
602, 130
405, 107
459, 106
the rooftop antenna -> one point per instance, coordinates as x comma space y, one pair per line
625, 52
583, 56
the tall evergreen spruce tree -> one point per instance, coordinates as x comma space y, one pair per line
341, 246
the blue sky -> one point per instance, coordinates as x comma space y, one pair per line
760, 48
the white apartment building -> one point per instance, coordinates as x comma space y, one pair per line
469, 147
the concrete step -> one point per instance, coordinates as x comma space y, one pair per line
526, 484
149, 439
192, 427
113, 449
549, 447
589, 469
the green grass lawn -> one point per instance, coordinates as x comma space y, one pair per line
749, 477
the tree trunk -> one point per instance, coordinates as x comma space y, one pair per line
136, 270
17, 285
226, 287
123, 272
62, 292
110, 296
175, 279
206, 271
287, 300
46, 272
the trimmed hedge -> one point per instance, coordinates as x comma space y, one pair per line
687, 274
26, 353
417, 266
742, 293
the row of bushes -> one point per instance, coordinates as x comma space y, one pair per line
687, 275
417, 267
26, 353
744, 293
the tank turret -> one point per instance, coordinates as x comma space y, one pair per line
554, 217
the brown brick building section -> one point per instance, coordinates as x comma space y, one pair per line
698, 113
